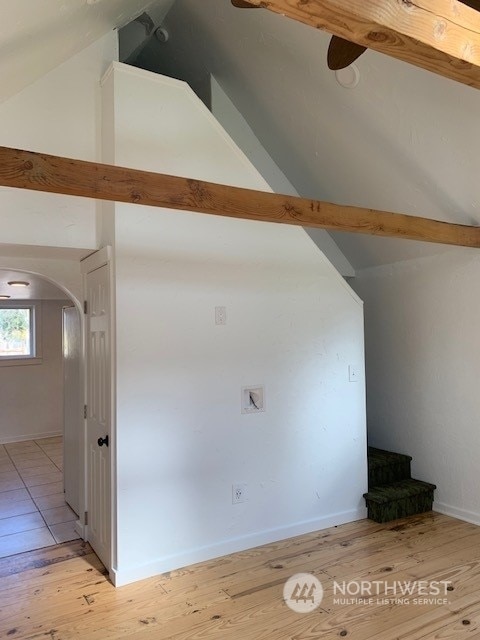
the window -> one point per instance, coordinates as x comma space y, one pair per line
19, 333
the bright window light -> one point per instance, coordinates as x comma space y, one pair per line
17, 332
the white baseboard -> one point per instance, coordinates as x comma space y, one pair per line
80, 528
30, 436
454, 512
122, 576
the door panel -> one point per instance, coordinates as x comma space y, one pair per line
72, 405
99, 412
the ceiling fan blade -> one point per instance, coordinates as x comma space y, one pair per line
242, 4
341, 53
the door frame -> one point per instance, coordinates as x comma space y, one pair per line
102, 257
78, 422
42, 271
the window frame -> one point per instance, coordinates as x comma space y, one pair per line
35, 357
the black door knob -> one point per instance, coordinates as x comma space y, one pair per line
103, 441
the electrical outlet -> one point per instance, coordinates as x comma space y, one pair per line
239, 493
220, 315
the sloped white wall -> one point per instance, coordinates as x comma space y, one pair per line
237, 127
36, 37
391, 143
293, 325
423, 354
59, 114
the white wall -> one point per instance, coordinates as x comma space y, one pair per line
59, 114
423, 354
31, 395
237, 127
293, 325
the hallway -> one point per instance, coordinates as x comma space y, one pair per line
33, 511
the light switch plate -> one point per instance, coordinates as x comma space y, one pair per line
354, 373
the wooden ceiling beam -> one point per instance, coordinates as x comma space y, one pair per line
442, 36
54, 174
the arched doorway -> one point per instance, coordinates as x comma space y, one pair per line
41, 419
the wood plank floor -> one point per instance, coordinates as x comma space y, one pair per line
62, 592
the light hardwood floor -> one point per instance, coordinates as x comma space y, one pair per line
62, 592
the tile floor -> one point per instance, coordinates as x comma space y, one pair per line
33, 511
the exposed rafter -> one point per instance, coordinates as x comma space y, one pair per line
442, 36
54, 174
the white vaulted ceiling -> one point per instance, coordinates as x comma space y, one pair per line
403, 140
38, 35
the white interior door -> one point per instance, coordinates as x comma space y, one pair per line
98, 400
72, 405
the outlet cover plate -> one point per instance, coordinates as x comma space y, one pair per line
239, 493
353, 373
220, 315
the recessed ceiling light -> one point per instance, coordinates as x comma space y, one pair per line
4, 297
19, 283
